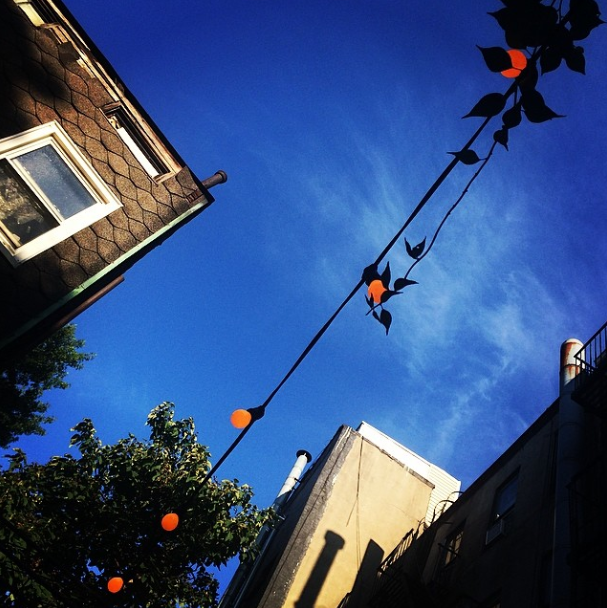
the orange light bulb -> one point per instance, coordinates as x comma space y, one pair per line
241, 418
115, 584
169, 522
376, 290
519, 63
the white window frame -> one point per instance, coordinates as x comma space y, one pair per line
141, 145
53, 134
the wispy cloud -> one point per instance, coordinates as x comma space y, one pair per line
481, 318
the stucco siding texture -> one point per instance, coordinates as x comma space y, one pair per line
41, 81
374, 501
351, 509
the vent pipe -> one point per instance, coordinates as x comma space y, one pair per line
219, 177
568, 460
235, 592
303, 458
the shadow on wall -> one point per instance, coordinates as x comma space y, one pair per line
365, 579
333, 543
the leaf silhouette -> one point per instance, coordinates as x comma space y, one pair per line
528, 78
526, 23
575, 60
501, 137
550, 59
386, 276
490, 105
496, 58
400, 284
387, 295
370, 274
386, 320
416, 251
536, 109
369, 301
582, 28
512, 117
468, 157
584, 16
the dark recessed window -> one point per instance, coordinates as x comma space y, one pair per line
452, 546
505, 497
134, 140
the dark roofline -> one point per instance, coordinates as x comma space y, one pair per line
514, 447
107, 66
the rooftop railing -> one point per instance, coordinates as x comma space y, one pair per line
591, 382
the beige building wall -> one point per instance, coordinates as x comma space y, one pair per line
354, 504
375, 499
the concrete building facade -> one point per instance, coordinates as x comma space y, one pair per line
348, 510
531, 531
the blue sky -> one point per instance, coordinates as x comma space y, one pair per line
332, 120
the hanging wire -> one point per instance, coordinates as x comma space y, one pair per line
259, 411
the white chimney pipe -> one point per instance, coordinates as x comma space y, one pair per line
568, 460
303, 458
237, 587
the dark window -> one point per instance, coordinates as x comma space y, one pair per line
452, 546
505, 497
134, 140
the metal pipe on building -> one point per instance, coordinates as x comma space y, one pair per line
245, 572
303, 458
219, 177
568, 462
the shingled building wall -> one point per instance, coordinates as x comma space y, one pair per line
41, 80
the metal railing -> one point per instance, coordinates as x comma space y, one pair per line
590, 388
593, 355
398, 551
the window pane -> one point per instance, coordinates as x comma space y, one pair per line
452, 546
20, 212
56, 180
506, 497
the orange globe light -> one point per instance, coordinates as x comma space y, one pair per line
169, 522
519, 63
376, 290
115, 584
241, 418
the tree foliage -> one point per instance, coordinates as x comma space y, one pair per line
23, 382
70, 525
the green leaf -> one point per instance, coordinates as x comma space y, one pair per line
106, 509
